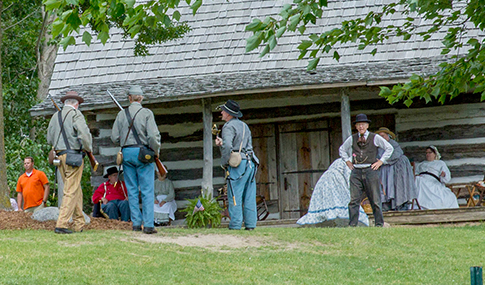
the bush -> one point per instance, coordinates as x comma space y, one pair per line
209, 217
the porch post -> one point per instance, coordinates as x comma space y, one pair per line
345, 114
207, 186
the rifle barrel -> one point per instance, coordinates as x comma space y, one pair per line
53, 102
114, 100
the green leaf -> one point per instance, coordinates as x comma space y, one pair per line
374, 51
314, 37
52, 4
368, 21
166, 21
408, 102
196, 6
305, 45
436, 91
254, 26
103, 36
302, 54
414, 77
312, 64
280, 31
483, 96
151, 21
314, 52
306, 10
130, 3
294, 20
336, 56
133, 31
302, 29
253, 42
67, 41
265, 51
272, 42
176, 15
286, 7
87, 38
57, 27
385, 91
322, 3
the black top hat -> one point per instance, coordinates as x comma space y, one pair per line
110, 171
361, 118
72, 95
232, 108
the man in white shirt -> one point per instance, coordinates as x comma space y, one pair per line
359, 152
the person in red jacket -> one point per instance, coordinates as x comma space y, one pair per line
113, 196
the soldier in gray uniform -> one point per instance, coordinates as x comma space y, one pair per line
78, 138
137, 174
241, 182
359, 151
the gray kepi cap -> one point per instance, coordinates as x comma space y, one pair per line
135, 90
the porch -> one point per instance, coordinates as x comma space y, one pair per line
413, 217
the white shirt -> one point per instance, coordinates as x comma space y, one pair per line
345, 149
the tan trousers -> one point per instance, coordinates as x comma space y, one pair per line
72, 201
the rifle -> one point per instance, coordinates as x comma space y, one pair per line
161, 168
92, 160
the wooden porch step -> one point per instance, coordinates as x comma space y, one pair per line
460, 215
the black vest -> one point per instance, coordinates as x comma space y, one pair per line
364, 153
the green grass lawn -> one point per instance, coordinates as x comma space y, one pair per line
399, 255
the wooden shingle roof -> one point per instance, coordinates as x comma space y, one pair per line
211, 59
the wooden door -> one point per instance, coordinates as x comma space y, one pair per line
303, 157
264, 146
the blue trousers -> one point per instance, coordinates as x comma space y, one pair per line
117, 208
139, 177
241, 184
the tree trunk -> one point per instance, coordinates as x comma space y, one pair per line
46, 55
4, 191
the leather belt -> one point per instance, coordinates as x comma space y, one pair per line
67, 151
134, 145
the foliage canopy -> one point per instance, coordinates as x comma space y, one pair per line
463, 72
150, 22
25, 136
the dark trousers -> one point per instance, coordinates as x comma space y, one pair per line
365, 179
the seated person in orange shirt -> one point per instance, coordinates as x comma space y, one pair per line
113, 196
32, 188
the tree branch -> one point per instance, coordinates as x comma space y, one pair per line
22, 19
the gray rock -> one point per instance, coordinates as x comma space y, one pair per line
52, 214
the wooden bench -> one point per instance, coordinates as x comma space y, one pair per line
468, 191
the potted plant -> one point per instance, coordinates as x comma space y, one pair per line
203, 212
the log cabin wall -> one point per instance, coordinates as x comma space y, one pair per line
458, 131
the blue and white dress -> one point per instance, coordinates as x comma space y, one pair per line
331, 197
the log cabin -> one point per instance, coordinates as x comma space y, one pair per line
298, 118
